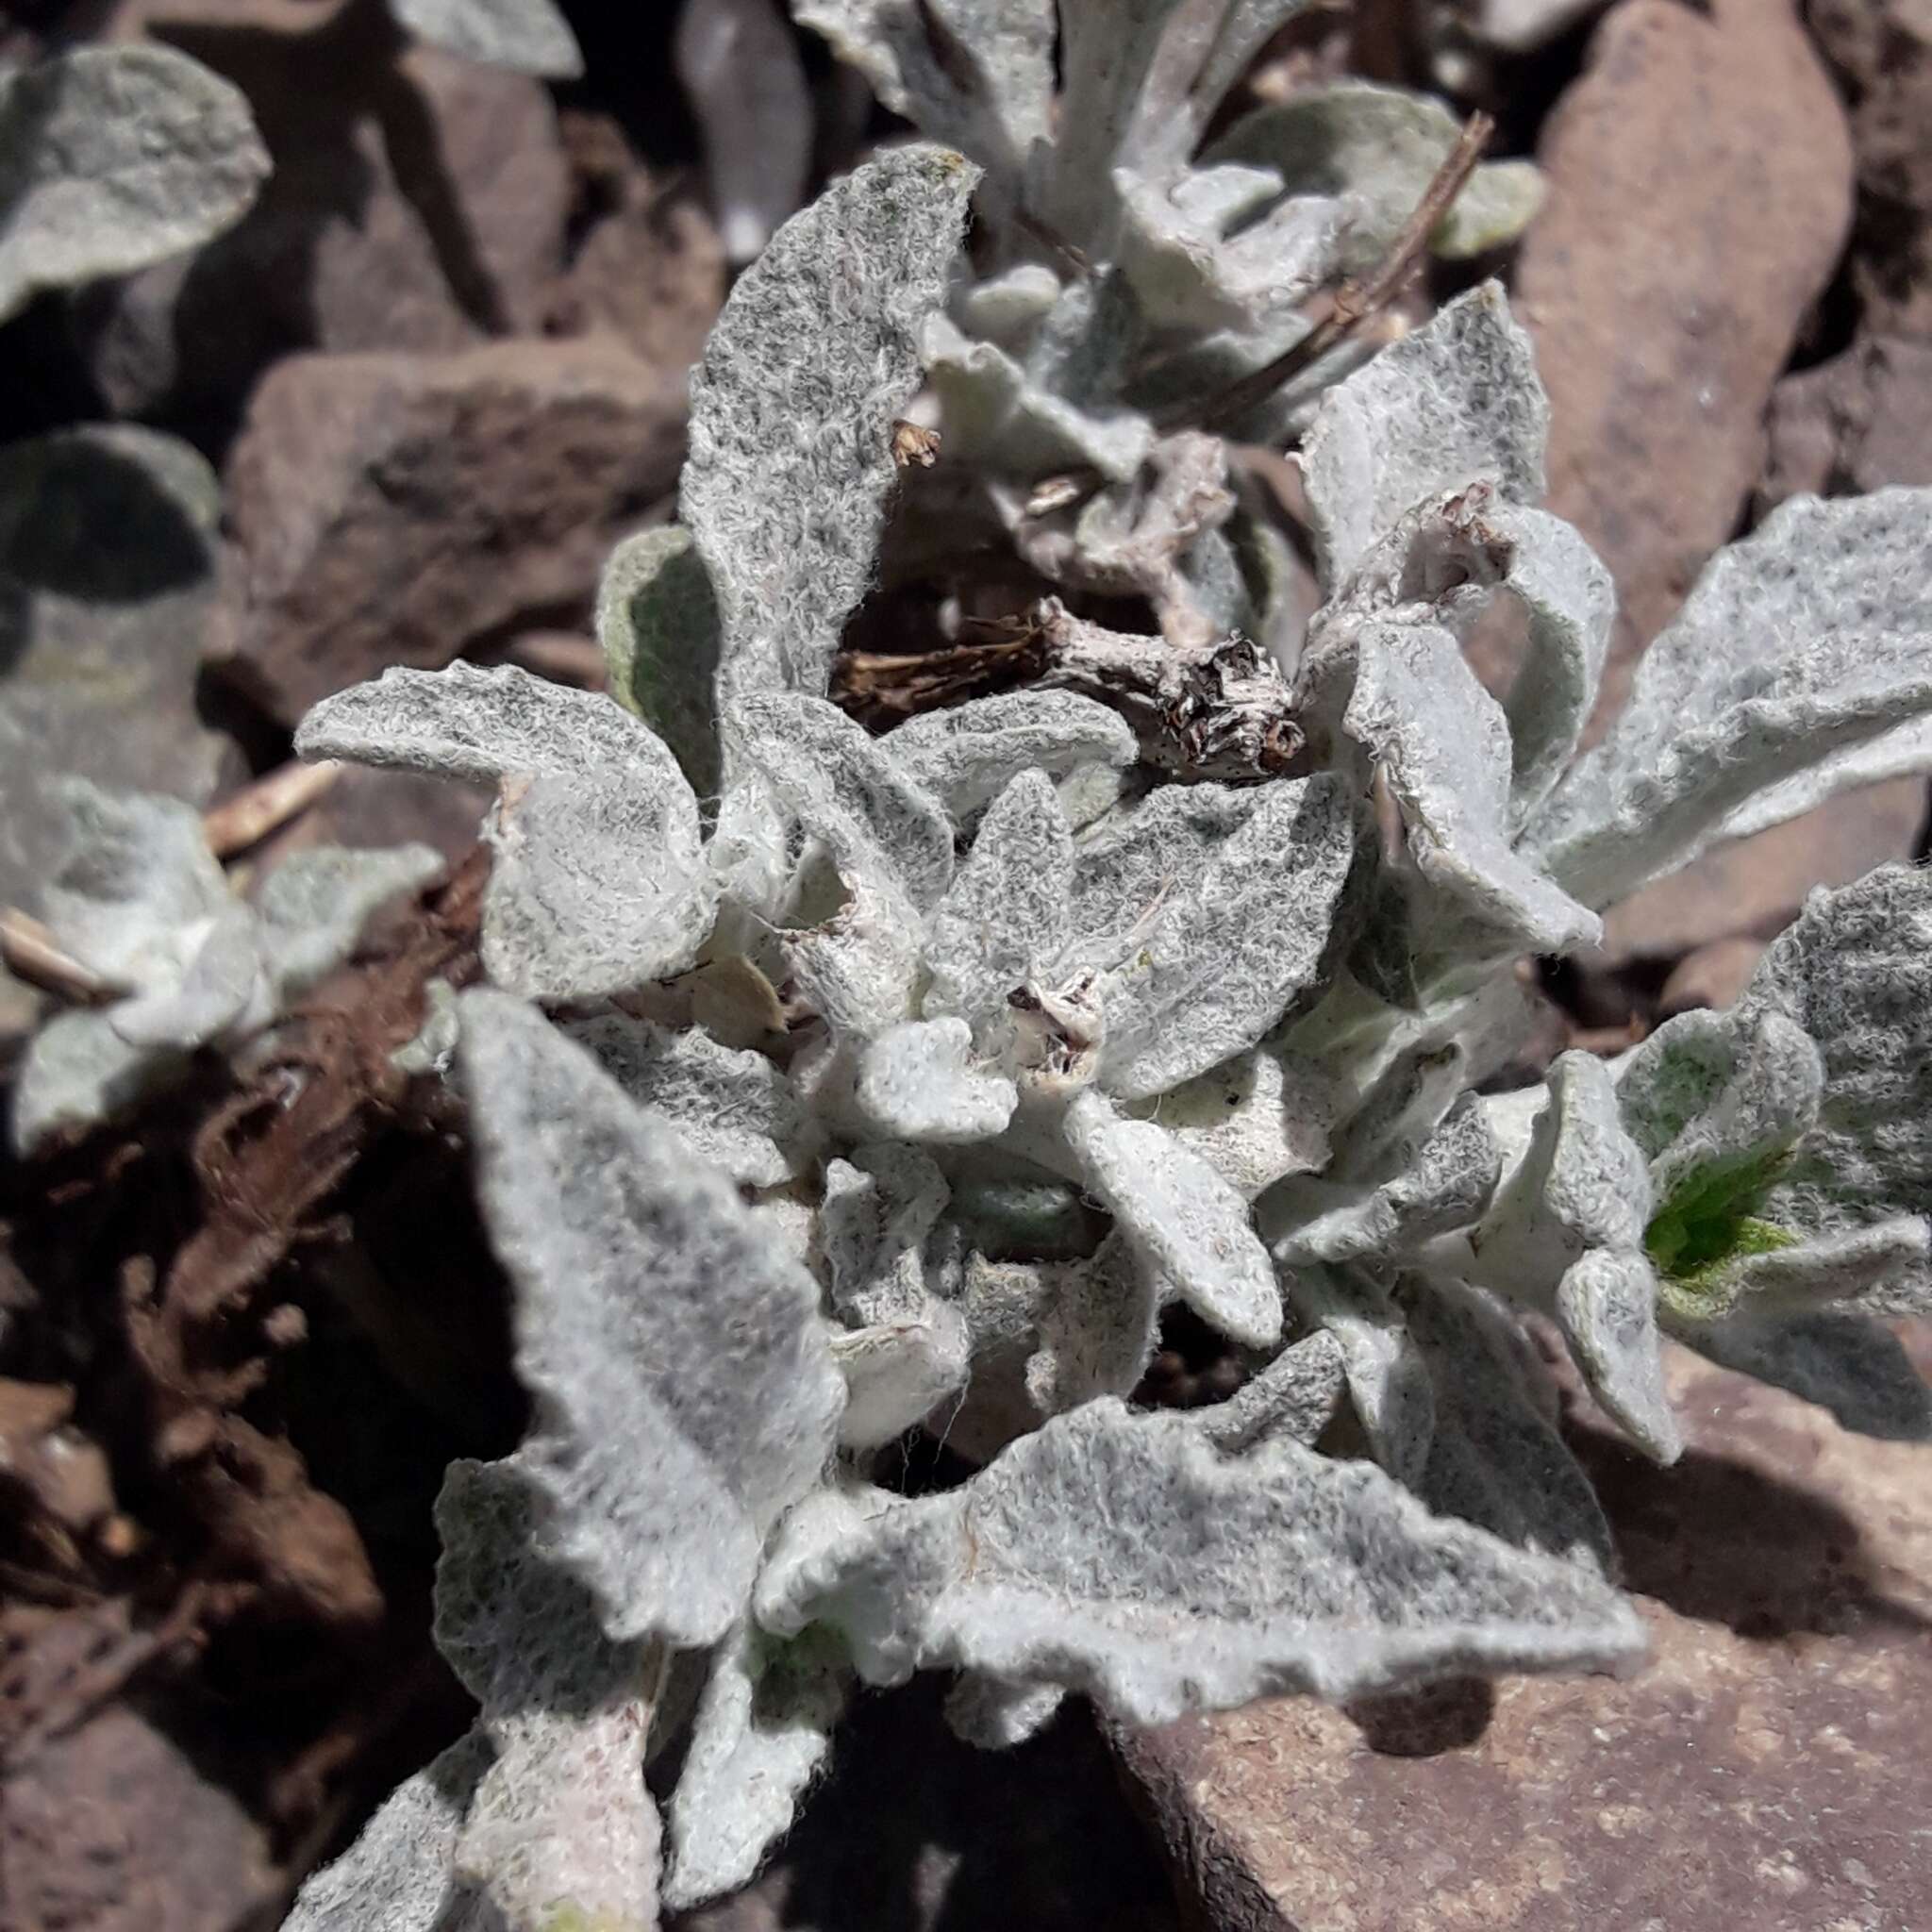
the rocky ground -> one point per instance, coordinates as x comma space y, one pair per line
417, 394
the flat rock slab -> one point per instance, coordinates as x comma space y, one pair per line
1768, 1772
1662, 307
393, 509
1756, 887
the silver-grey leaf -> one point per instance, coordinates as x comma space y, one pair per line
1798, 650
1122, 1556
526, 36
685, 1395
1235, 945
791, 410
1456, 402
115, 158
1185, 1220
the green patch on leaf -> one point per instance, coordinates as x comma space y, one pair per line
1693, 1258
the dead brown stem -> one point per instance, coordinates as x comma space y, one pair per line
1355, 301
256, 810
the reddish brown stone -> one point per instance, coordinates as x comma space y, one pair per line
1755, 887
1699, 194
418, 202
393, 509
110, 1827
1766, 1770
1858, 422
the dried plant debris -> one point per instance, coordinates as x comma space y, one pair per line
140, 902
115, 158
830, 1086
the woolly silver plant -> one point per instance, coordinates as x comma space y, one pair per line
113, 158
1133, 268
140, 905
832, 1085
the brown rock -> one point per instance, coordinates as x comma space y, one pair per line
1858, 422
1713, 975
650, 267
418, 202
1883, 49
1700, 190
110, 1827
1767, 1769
392, 509
1755, 887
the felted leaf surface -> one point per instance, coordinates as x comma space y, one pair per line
1003, 416
1715, 1164
729, 1105
1189, 272
657, 623
1296, 1396
917, 1081
685, 1395
1389, 1381
1567, 1234
138, 890
477, 726
1003, 919
1456, 402
1120, 1554
1443, 1184
967, 754
1206, 46
1798, 649
215, 993
115, 158
860, 970
526, 36
600, 880
1256, 1118
1377, 148
1184, 1219
1584, 1184
1496, 1459
1570, 604
398, 1875
1106, 49
1767, 1274
1096, 1330
898, 1373
1607, 1307
1845, 1363
792, 408
599, 884
561, 1819
314, 905
840, 783
1236, 944
763, 1732
980, 76
1854, 971
879, 1207
77, 1071
1443, 740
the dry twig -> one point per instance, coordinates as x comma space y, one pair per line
1355, 301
